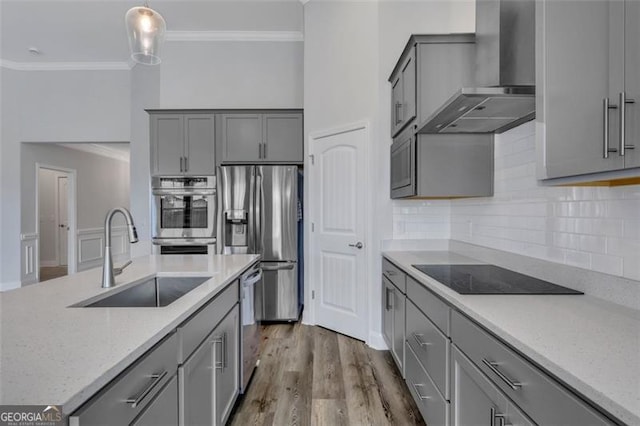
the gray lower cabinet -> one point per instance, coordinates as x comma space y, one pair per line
475, 398
163, 410
261, 138
209, 378
433, 407
128, 395
393, 312
182, 144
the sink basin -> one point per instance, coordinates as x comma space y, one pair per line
154, 292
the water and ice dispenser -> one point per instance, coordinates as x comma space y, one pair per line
236, 231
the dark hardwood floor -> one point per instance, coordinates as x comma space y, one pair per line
313, 376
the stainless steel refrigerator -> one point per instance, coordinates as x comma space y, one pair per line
258, 213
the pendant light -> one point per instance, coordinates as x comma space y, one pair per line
146, 29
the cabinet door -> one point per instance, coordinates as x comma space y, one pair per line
632, 81
199, 144
167, 144
283, 141
198, 386
387, 312
408, 71
403, 175
398, 327
572, 83
241, 138
396, 104
475, 398
226, 336
163, 410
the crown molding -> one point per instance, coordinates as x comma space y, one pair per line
98, 149
64, 66
284, 36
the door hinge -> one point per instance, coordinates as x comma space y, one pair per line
313, 227
313, 294
313, 158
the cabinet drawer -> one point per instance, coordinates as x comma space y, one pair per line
395, 275
193, 331
540, 396
126, 396
435, 309
434, 409
430, 346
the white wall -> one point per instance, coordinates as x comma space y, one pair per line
595, 228
350, 50
53, 106
232, 74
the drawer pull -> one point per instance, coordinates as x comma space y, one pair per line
135, 401
493, 366
389, 297
419, 341
390, 273
222, 340
415, 389
495, 416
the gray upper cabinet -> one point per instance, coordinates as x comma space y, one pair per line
586, 81
430, 70
182, 144
261, 138
403, 83
441, 166
241, 137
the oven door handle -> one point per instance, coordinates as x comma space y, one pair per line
184, 192
183, 241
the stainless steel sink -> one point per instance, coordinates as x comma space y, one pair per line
153, 292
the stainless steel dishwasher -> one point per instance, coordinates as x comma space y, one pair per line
250, 330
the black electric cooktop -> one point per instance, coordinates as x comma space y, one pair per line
490, 279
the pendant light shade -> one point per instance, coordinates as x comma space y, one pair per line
146, 29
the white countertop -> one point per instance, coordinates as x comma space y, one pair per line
53, 354
589, 344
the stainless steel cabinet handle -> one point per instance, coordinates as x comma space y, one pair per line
419, 341
390, 273
493, 366
259, 150
415, 389
222, 340
264, 151
495, 416
357, 245
135, 401
605, 127
181, 168
398, 111
388, 304
623, 113
186, 164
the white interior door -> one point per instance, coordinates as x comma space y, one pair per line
339, 218
63, 220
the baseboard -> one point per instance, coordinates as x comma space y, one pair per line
376, 341
10, 285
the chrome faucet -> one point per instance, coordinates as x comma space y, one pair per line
108, 271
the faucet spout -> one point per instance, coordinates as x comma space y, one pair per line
108, 272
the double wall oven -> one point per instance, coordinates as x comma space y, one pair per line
184, 214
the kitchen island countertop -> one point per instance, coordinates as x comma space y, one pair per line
54, 354
590, 344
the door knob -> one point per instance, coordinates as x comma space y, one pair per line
357, 245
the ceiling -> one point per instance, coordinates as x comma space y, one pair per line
93, 30
116, 150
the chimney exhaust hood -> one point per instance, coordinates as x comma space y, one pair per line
504, 92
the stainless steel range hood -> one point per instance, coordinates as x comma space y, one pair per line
504, 94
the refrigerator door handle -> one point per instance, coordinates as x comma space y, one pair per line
251, 222
259, 203
280, 267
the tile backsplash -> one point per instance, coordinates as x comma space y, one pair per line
595, 228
